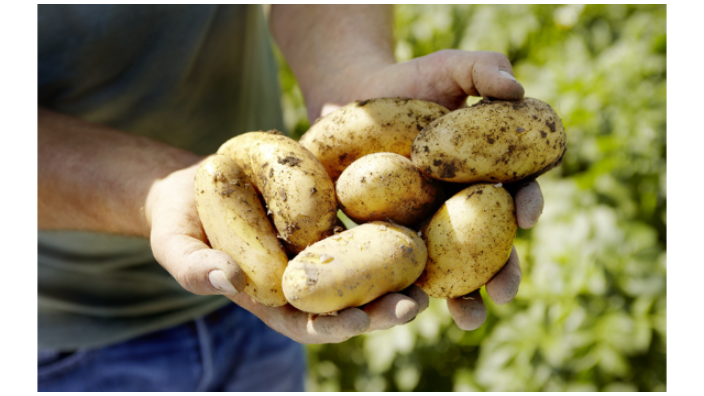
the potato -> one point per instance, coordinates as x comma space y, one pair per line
386, 186
235, 222
238, 148
354, 267
369, 126
491, 141
296, 188
469, 240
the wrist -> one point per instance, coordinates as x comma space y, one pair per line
332, 49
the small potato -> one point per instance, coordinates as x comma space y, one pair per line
235, 222
469, 240
354, 267
368, 126
491, 141
296, 188
386, 186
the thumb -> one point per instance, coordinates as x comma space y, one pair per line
196, 267
447, 77
178, 240
492, 76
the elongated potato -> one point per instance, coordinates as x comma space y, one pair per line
469, 240
491, 141
354, 267
235, 222
369, 126
296, 188
386, 186
238, 149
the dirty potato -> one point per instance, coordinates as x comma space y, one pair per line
354, 267
386, 186
238, 148
235, 222
469, 240
491, 141
369, 126
296, 188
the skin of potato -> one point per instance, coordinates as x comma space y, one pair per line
298, 192
491, 141
235, 222
238, 148
354, 267
385, 186
366, 127
469, 240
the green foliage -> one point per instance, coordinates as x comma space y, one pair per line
591, 310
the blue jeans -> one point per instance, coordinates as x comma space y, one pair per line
227, 350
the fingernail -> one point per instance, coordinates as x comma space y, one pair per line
507, 75
219, 281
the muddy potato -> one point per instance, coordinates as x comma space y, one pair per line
369, 126
469, 240
238, 148
296, 188
235, 222
386, 186
354, 267
491, 141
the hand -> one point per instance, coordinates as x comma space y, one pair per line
180, 246
342, 54
385, 312
448, 77
445, 77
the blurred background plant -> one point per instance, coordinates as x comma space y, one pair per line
591, 310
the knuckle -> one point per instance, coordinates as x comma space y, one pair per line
498, 57
188, 281
442, 55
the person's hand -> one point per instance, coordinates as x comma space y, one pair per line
383, 313
180, 246
448, 77
445, 77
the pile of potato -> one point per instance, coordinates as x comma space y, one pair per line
387, 164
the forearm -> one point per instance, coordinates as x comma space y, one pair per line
94, 178
332, 48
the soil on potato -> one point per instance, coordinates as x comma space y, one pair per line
290, 160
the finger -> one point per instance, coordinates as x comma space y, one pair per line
492, 77
390, 310
529, 205
347, 324
419, 296
195, 266
468, 312
307, 328
503, 287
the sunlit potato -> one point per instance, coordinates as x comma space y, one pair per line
366, 127
491, 141
386, 186
235, 222
469, 239
354, 267
298, 192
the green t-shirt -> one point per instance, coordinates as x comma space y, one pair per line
188, 75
